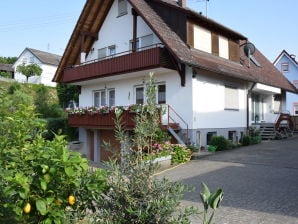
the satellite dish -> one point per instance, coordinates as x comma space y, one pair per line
249, 49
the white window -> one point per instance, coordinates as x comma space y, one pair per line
285, 67
295, 108
202, 39
102, 53
231, 98
143, 42
111, 96
100, 98
161, 94
32, 60
139, 95
104, 98
122, 7
25, 60
106, 51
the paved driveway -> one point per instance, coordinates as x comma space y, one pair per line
260, 182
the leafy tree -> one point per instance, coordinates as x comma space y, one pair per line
67, 93
29, 70
41, 181
5, 74
8, 60
44, 107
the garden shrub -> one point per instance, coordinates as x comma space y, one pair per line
39, 177
246, 140
219, 142
13, 87
136, 196
180, 154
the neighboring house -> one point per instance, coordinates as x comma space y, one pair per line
47, 61
287, 64
7, 68
205, 79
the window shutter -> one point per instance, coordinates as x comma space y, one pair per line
122, 7
234, 51
231, 98
190, 34
215, 44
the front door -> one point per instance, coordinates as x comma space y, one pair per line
257, 111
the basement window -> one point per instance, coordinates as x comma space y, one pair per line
209, 137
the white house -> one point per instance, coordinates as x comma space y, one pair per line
47, 61
211, 79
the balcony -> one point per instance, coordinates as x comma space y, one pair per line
148, 58
101, 120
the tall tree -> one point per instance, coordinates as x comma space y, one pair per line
29, 70
8, 60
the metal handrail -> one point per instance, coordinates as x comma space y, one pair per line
158, 45
170, 118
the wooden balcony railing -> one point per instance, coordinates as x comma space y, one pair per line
101, 120
125, 62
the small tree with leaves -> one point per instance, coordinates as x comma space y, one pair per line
29, 70
136, 195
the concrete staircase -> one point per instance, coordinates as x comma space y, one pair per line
267, 131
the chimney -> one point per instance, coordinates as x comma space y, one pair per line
182, 3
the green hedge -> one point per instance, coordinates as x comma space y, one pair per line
59, 125
219, 142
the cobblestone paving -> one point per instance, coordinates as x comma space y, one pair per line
260, 182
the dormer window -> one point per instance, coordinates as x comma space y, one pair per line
284, 67
122, 7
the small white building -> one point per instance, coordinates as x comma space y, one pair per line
208, 81
47, 61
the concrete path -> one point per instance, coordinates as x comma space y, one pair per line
260, 182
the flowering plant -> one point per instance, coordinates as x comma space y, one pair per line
104, 109
135, 108
78, 110
92, 109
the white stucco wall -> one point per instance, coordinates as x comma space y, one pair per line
209, 104
118, 31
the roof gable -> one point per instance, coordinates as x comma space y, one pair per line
42, 56
285, 54
95, 12
46, 57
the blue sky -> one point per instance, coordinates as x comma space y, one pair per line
47, 25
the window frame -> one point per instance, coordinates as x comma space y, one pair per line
295, 108
284, 65
135, 94
106, 94
158, 101
122, 8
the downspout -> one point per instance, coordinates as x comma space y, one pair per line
135, 27
247, 103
